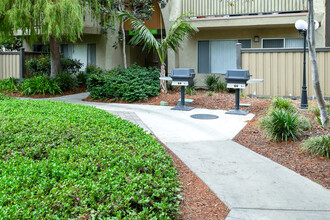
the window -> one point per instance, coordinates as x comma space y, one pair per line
91, 54
85, 53
272, 43
294, 42
283, 43
217, 56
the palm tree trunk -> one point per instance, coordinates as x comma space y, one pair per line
314, 66
55, 56
163, 87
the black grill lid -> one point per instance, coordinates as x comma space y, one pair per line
238, 74
182, 72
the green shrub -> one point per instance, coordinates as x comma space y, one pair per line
66, 81
319, 145
190, 89
82, 79
65, 161
4, 97
42, 66
9, 85
132, 84
281, 103
214, 83
305, 123
211, 82
39, 66
40, 85
281, 125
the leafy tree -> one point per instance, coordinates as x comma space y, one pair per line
315, 71
11, 44
51, 21
175, 36
141, 9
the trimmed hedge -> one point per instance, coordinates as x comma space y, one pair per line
133, 84
61, 161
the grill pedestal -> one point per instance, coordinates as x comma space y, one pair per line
237, 111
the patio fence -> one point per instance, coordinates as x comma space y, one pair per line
12, 64
282, 71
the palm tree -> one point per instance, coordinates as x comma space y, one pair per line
175, 36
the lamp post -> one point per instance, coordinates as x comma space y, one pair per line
302, 27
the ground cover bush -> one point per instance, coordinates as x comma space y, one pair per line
9, 85
41, 66
66, 81
40, 85
282, 121
64, 161
4, 97
214, 83
318, 145
132, 84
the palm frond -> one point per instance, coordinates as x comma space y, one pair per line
144, 36
178, 32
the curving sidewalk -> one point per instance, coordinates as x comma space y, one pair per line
251, 185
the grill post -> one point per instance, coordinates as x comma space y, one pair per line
182, 96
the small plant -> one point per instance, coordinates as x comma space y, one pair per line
281, 125
66, 81
285, 104
305, 123
40, 85
211, 82
9, 85
316, 111
190, 89
209, 94
319, 145
82, 79
214, 83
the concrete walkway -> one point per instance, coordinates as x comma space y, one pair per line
251, 185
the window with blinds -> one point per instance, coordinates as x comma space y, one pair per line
217, 56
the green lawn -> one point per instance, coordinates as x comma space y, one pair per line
59, 160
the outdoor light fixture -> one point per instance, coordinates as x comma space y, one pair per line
256, 38
302, 27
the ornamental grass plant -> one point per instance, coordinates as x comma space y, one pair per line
318, 145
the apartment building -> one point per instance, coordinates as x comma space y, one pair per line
264, 24
255, 24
